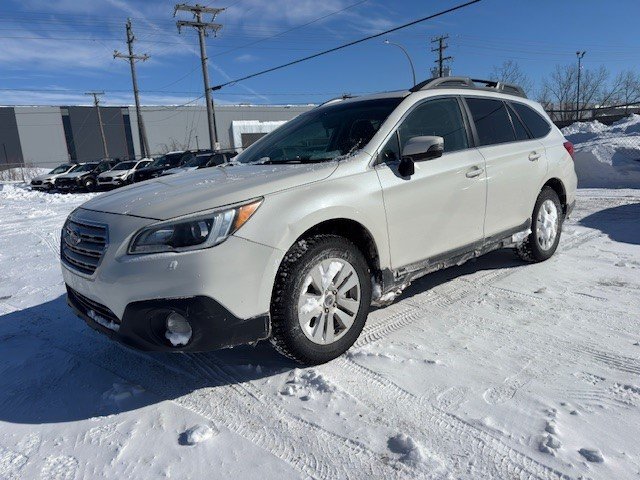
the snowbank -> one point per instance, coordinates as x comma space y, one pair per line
607, 156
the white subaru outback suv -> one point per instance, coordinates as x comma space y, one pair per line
339, 208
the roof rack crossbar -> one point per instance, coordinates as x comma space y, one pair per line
466, 82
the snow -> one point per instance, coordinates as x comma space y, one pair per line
103, 321
607, 156
178, 338
199, 434
494, 369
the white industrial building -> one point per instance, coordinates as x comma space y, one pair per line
49, 135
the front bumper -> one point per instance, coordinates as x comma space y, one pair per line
143, 323
226, 288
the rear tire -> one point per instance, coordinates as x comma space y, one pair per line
546, 228
312, 314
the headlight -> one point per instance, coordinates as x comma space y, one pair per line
193, 232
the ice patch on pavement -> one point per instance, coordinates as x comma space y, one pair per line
198, 434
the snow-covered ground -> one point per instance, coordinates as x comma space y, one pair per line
494, 369
607, 156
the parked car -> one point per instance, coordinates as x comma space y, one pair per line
84, 177
47, 182
341, 207
162, 163
202, 160
121, 174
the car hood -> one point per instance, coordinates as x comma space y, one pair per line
73, 175
172, 171
47, 176
112, 173
176, 195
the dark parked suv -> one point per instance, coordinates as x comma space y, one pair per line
85, 176
162, 163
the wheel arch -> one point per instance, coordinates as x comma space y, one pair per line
557, 186
353, 231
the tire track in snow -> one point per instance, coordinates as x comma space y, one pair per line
489, 454
321, 446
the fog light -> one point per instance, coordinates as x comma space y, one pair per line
178, 329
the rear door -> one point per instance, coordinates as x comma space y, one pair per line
440, 208
515, 163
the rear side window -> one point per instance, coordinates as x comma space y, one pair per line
536, 124
441, 118
521, 132
492, 121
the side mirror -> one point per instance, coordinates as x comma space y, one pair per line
423, 148
406, 168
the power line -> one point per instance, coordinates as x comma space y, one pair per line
132, 58
315, 20
441, 58
203, 28
355, 42
96, 102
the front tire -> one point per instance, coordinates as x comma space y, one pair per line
546, 227
321, 299
89, 185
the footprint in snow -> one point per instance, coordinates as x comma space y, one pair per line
592, 455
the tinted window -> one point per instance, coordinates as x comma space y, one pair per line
492, 121
391, 151
441, 118
521, 132
537, 125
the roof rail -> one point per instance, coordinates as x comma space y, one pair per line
345, 96
466, 82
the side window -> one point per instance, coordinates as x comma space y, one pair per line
537, 125
440, 117
391, 150
521, 132
491, 120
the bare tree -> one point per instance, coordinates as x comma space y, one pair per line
628, 88
510, 72
559, 89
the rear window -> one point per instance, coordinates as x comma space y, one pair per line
536, 124
521, 132
492, 121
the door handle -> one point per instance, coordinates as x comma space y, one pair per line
533, 156
474, 172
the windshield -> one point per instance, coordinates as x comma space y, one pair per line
60, 169
124, 166
157, 162
198, 161
87, 167
322, 134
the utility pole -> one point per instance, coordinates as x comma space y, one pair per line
441, 58
96, 102
142, 133
579, 54
203, 29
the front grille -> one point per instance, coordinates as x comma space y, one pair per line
86, 305
65, 182
36, 182
82, 245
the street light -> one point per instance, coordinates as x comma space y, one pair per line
413, 70
579, 54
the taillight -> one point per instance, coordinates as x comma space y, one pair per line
569, 147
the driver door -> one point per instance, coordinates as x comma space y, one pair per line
440, 209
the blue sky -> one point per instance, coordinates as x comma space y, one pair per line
56, 50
